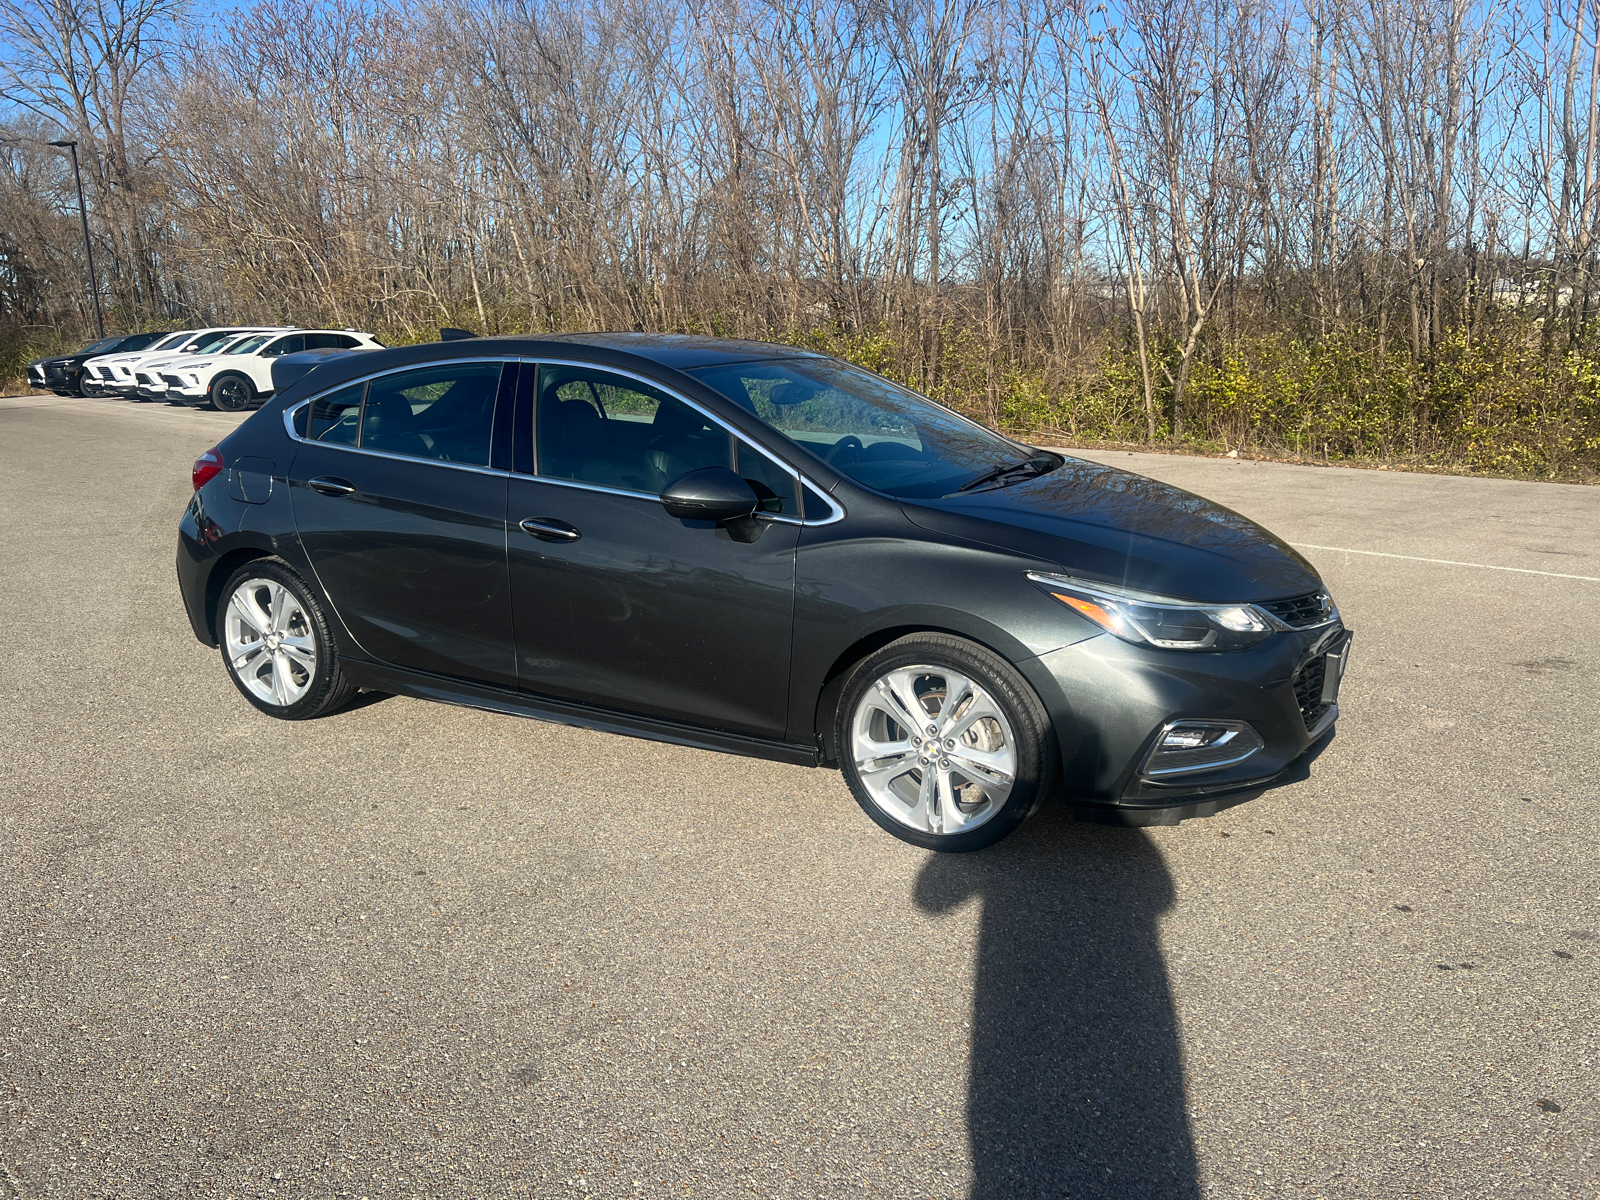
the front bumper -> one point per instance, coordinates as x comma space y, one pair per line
1110, 701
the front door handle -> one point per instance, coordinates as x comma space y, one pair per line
548, 529
328, 485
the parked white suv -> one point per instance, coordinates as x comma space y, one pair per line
239, 375
150, 375
114, 372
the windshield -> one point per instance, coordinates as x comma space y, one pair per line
101, 346
210, 343
878, 433
173, 342
248, 345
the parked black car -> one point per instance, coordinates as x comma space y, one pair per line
63, 374
756, 549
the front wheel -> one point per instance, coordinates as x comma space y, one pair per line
230, 393
943, 744
277, 644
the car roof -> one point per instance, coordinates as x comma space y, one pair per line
664, 351
681, 351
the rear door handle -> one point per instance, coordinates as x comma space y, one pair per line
548, 529
328, 485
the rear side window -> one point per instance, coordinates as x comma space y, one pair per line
444, 413
329, 341
336, 417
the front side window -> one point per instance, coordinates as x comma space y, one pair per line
596, 427
292, 344
444, 412
777, 487
878, 433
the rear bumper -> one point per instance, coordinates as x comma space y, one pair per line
1110, 702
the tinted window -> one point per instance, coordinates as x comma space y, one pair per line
327, 341
285, 345
595, 427
775, 485
816, 508
876, 432
444, 412
336, 417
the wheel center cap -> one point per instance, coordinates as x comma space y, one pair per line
274, 640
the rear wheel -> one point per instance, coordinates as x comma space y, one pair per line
230, 393
277, 645
943, 744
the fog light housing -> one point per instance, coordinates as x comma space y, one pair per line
1187, 746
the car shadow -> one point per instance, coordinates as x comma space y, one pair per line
1076, 1084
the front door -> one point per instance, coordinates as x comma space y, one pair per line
404, 522
618, 604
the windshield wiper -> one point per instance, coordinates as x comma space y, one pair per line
1037, 463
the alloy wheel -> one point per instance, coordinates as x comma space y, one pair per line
231, 394
933, 749
269, 640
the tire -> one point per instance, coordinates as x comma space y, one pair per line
274, 606
995, 754
229, 393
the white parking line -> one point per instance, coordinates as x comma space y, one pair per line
1446, 562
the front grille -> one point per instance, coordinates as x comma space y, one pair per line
1301, 611
1308, 690
173, 381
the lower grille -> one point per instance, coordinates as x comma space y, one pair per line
141, 377
1308, 691
105, 372
173, 381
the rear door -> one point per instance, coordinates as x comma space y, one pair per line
401, 511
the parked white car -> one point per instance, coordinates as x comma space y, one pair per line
121, 373
239, 375
113, 373
149, 375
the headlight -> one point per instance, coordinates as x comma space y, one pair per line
1148, 620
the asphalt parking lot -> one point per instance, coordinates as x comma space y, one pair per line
419, 950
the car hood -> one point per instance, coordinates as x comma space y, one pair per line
158, 360
1101, 523
187, 360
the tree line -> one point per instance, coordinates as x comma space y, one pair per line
1338, 227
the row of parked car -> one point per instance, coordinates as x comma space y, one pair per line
223, 367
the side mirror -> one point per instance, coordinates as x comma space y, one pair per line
709, 494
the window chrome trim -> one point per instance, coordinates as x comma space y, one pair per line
289, 415
802, 481
837, 512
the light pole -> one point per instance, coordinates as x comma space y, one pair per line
88, 247
83, 215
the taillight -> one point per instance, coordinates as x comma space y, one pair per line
207, 467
